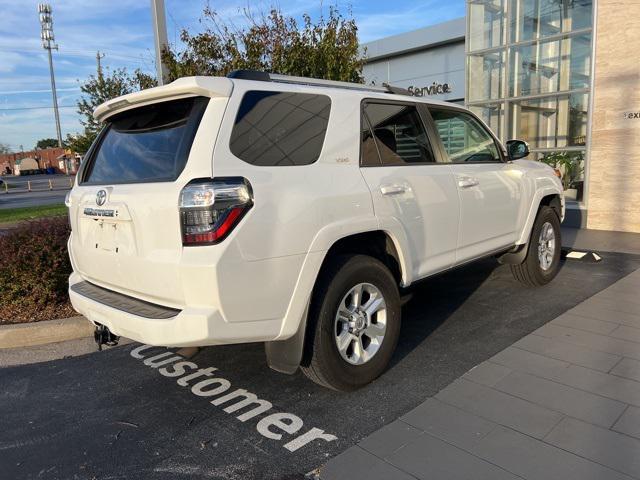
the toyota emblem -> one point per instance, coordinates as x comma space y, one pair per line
101, 197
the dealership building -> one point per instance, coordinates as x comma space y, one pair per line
564, 75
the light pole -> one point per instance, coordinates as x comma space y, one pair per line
159, 23
46, 21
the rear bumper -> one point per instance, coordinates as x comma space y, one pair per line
189, 327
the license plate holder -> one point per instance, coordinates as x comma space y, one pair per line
107, 236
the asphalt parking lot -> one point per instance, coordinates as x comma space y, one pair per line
110, 415
19, 197
32, 199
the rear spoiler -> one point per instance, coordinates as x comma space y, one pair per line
183, 87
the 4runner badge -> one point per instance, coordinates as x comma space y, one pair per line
101, 197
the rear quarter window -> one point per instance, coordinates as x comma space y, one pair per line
145, 144
280, 128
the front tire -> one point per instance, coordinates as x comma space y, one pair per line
354, 323
542, 262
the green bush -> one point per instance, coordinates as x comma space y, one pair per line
34, 268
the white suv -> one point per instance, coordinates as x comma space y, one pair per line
286, 210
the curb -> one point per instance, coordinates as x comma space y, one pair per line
40, 333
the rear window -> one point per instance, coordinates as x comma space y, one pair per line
146, 144
280, 128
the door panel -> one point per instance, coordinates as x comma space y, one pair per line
408, 185
424, 199
490, 189
490, 195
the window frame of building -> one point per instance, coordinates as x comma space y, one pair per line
574, 70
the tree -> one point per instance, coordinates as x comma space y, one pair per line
328, 49
274, 42
4, 148
80, 142
96, 90
47, 143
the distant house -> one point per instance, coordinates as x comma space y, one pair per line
58, 160
69, 162
26, 166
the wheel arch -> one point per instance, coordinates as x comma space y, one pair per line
546, 198
375, 243
285, 355
549, 196
554, 201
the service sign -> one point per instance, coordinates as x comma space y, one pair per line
434, 89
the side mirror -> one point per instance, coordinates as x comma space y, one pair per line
517, 149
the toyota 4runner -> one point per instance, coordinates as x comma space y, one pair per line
286, 210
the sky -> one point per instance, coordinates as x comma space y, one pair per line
121, 30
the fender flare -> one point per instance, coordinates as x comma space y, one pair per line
533, 211
284, 353
392, 227
517, 256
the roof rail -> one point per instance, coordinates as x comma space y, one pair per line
276, 77
397, 90
250, 75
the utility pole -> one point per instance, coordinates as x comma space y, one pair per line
99, 56
46, 21
159, 23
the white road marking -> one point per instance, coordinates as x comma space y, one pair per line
238, 399
575, 254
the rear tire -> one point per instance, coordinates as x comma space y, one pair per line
356, 305
542, 262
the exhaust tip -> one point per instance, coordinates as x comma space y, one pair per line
103, 336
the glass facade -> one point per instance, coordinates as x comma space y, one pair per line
528, 77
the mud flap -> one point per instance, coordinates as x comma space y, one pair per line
284, 356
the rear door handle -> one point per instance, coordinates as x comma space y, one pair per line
467, 182
392, 189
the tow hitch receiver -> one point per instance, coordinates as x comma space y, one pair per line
103, 336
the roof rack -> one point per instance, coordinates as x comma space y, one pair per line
397, 90
276, 77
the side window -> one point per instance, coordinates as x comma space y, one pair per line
463, 137
399, 135
280, 128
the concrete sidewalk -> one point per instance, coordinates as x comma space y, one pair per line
561, 403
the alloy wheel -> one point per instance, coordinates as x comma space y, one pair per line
360, 323
546, 246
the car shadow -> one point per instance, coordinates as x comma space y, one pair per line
433, 301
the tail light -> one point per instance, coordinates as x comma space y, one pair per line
211, 208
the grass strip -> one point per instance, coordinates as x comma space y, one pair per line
11, 215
